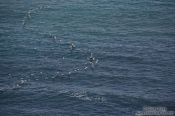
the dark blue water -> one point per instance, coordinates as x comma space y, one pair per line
133, 40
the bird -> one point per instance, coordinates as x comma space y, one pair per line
92, 60
72, 46
29, 14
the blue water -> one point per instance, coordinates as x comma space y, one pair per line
133, 40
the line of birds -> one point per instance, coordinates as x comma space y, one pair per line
91, 59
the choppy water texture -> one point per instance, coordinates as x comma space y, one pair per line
40, 75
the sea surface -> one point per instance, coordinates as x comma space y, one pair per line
41, 74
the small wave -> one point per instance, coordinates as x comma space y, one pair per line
85, 96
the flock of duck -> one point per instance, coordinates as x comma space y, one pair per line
72, 47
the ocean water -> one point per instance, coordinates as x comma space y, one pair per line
133, 41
